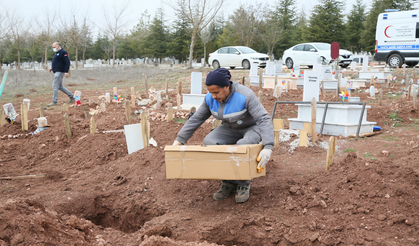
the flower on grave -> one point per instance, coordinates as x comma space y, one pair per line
371, 64
376, 79
117, 97
333, 72
283, 82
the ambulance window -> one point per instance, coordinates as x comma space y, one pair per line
417, 29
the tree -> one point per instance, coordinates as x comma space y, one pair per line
46, 31
116, 24
245, 22
379, 6
326, 23
285, 17
300, 33
199, 13
3, 32
271, 33
355, 25
18, 31
139, 33
180, 38
155, 42
207, 34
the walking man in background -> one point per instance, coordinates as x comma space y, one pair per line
244, 121
60, 67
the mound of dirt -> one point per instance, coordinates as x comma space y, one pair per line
27, 222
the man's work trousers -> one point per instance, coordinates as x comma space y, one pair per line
58, 85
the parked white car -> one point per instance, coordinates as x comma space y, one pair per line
310, 53
237, 56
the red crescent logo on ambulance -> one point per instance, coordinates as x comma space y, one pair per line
385, 31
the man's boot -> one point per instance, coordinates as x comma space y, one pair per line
242, 193
71, 100
225, 190
52, 104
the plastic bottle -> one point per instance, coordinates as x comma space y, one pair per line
372, 91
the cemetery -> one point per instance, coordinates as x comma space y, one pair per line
344, 169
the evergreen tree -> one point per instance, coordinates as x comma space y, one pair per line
355, 26
378, 7
326, 23
300, 33
180, 39
285, 16
155, 43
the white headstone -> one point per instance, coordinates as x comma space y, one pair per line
270, 68
317, 67
134, 137
278, 67
326, 73
311, 85
196, 83
353, 66
365, 64
253, 69
297, 70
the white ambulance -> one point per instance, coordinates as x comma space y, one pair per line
397, 38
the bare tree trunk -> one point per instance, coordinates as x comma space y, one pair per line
113, 53
205, 54
46, 57
77, 58
84, 56
191, 49
18, 56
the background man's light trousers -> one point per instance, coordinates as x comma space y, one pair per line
58, 85
223, 135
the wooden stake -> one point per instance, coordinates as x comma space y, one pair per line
372, 80
115, 92
166, 87
260, 96
216, 123
169, 113
415, 98
303, 138
276, 79
23, 177
404, 69
278, 125
179, 86
243, 80
331, 152
41, 110
313, 120
249, 82
103, 107
145, 84
24, 116
128, 111
91, 101
380, 97
144, 128
92, 126
322, 89
410, 88
65, 107
67, 126
308, 127
337, 89
132, 98
260, 77
2, 117
86, 114
178, 101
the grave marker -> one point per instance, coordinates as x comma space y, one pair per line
278, 125
179, 87
308, 127
103, 107
313, 120
260, 78
24, 116
144, 128
41, 110
67, 126
331, 152
253, 70
115, 92
415, 98
303, 138
86, 114
260, 96
178, 102
196, 83
311, 86
145, 84
132, 97
128, 111
92, 126
91, 101
365, 64
65, 107
1, 116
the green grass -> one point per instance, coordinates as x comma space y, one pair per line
180, 120
388, 138
394, 116
397, 124
392, 156
367, 154
349, 150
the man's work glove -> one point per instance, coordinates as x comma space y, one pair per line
263, 158
177, 143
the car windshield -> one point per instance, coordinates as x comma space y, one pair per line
246, 50
323, 46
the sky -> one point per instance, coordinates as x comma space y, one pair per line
32, 9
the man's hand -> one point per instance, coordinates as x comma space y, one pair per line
50, 69
177, 143
66, 75
264, 157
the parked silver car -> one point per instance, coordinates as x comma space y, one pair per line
237, 56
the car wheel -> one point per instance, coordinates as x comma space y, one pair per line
232, 67
344, 66
246, 64
395, 60
310, 67
289, 63
215, 64
323, 60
